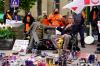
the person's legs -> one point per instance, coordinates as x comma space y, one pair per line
54, 40
30, 46
98, 33
66, 40
81, 32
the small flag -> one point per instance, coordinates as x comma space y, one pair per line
76, 6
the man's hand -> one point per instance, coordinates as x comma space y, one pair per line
69, 25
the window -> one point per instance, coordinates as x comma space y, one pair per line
57, 3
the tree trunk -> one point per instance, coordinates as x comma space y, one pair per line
39, 7
57, 4
6, 5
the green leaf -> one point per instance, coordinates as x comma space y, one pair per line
1, 6
6, 33
27, 4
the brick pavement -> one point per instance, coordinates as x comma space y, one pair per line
90, 49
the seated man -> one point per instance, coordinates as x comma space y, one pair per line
65, 32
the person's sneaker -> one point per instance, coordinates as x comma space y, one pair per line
83, 46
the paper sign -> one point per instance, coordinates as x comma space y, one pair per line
13, 23
20, 44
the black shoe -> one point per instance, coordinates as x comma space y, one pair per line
83, 46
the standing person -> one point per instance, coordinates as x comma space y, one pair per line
98, 19
55, 18
95, 17
8, 15
28, 20
16, 17
79, 27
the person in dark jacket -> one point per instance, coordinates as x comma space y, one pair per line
8, 15
79, 27
98, 19
16, 17
94, 18
28, 20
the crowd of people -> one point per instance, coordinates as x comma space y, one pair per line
56, 20
27, 20
73, 22
70, 23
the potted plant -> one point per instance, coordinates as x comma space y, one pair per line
6, 37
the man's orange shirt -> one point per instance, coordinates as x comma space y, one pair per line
27, 27
55, 20
45, 22
27, 24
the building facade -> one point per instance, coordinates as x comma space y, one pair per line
48, 6
44, 5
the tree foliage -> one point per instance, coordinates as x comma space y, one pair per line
1, 6
27, 4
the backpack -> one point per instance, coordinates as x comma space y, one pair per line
46, 44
